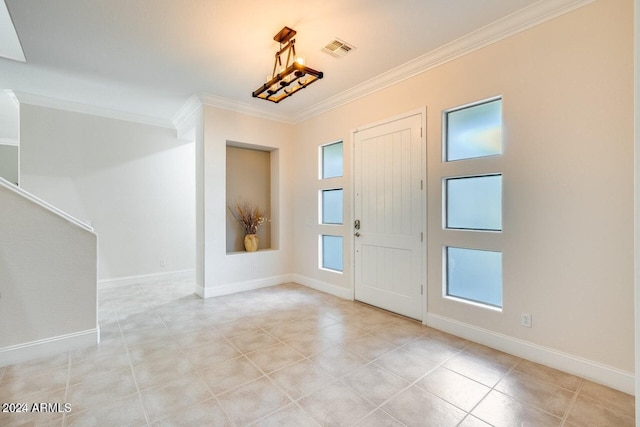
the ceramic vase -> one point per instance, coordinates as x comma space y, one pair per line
251, 242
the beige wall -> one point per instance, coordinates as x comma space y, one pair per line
248, 180
637, 195
567, 88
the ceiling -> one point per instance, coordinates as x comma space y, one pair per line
146, 58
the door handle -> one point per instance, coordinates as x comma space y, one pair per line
357, 234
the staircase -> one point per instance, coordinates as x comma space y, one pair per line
48, 278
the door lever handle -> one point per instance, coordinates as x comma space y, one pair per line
357, 234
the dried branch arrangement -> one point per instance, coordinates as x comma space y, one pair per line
249, 216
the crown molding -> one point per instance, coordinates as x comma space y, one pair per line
76, 107
512, 24
521, 20
242, 107
181, 117
537, 13
196, 101
12, 96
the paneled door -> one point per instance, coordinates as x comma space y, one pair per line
389, 210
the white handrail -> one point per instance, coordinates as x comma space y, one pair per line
6, 184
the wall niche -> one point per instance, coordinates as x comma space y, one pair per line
250, 173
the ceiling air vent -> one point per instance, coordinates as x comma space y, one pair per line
338, 48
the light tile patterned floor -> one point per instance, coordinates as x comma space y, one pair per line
288, 355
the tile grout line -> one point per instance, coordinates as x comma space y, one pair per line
372, 362
411, 384
264, 374
304, 357
574, 399
66, 388
133, 374
469, 413
379, 407
194, 368
529, 405
245, 357
275, 305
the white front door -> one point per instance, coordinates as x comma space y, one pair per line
389, 213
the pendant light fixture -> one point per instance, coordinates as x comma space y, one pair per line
288, 78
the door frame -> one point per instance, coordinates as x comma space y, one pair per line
422, 112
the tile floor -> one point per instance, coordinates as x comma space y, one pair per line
289, 355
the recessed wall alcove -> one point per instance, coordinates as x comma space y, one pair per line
250, 172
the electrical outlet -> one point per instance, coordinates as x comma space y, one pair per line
525, 320
162, 263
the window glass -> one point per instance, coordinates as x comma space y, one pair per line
474, 131
475, 275
332, 252
474, 202
332, 206
332, 160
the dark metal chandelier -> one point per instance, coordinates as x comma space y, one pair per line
292, 76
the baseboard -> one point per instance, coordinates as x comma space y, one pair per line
146, 278
594, 371
48, 347
328, 288
232, 288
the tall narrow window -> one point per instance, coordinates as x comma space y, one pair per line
331, 207
473, 203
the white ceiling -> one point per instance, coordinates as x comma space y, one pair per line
148, 57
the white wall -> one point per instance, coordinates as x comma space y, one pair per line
9, 137
48, 281
567, 90
9, 118
226, 273
134, 183
9, 155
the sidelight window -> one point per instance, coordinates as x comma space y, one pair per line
473, 203
331, 207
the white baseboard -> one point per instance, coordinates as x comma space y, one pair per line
48, 347
319, 285
232, 288
146, 278
594, 371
